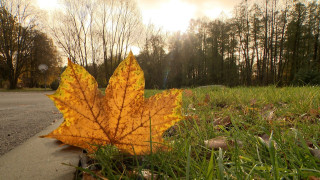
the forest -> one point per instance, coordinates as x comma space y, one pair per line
275, 43
266, 42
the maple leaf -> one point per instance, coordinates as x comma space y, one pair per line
122, 117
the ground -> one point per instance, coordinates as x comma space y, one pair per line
22, 115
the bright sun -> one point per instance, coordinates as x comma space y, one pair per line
172, 16
48, 4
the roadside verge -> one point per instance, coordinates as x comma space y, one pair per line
40, 158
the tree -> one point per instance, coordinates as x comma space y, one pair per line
295, 37
71, 30
152, 58
16, 22
91, 32
43, 51
119, 23
243, 26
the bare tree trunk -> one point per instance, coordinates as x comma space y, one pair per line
265, 49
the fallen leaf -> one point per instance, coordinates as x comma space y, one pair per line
146, 174
268, 107
249, 110
269, 115
222, 121
315, 152
221, 142
192, 119
303, 115
221, 105
191, 107
207, 99
218, 142
87, 176
253, 102
188, 93
122, 117
283, 104
313, 178
314, 112
172, 131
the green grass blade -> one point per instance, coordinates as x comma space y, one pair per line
210, 167
273, 157
188, 164
220, 165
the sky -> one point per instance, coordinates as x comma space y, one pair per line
48, 4
174, 15
171, 15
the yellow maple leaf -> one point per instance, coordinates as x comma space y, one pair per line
122, 117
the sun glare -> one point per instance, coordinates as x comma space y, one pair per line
135, 50
48, 4
172, 16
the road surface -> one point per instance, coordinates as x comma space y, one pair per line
22, 115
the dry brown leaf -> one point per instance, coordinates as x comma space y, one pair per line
268, 107
216, 143
87, 176
146, 174
207, 99
313, 178
314, 112
253, 102
315, 152
221, 142
188, 93
222, 121
269, 115
191, 107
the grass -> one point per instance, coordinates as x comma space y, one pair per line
288, 116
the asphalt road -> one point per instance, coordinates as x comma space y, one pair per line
22, 115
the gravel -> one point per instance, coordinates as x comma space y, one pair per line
22, 115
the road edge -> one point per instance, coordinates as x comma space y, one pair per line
40, 158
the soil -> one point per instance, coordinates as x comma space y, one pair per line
22, 115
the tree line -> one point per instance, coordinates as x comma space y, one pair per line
23, 47
265, 42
